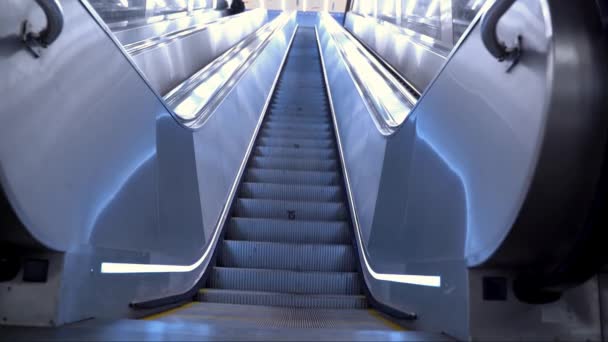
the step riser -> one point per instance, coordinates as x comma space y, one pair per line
291, 192
285, 281
291, 210
288, 231
291, 177
292, 143
292, 257
294, 164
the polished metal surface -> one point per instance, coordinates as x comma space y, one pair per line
387, 100
121, 13
169, 59
220, 161
198, 97
416, 57
104, 172
474, 176
413, 36
155, 28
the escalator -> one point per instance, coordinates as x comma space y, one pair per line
288, 242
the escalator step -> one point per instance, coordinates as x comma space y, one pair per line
296, 119
283, 299
292, 142
265, 280
291, 192
294, 164
320, 232
299, 126
287, 256
291, 210
254, 175
295, 134
295, 152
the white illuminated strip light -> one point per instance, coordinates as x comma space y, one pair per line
412, 279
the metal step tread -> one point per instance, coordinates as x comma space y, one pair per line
283, 299
291, 210
287, 256
285, 281
280, 176
269, 230
291, 192
293, 164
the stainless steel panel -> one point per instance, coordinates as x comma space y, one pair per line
121, 13
130, 35
416, 57
98, 169
443, 192
171, 62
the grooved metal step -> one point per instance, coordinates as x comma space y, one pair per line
291, 210
291, 142
287, 256
291, 192
309, 232
288, 242
297, 118
283, 299
265, 280
283, 118
299, 126
295, 152
295, 134
291, 177
329, 165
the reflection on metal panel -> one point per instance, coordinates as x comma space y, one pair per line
446, 191
413, 36
388, 101
196, 98
129, 13
99, 170
218, 183
130, 35
416, 57
170, 59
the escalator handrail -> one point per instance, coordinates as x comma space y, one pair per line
199, 103
489, 36
54, 17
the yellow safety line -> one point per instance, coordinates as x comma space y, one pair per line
386, 321
168, 312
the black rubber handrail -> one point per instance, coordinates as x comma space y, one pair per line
489, 37
36, 41
54, 18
